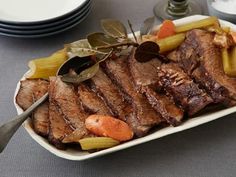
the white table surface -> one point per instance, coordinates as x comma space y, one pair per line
205, 151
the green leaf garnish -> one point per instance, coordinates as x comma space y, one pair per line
81, 48
114, 28
100, 39
85, 74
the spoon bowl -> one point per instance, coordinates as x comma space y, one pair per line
77, 64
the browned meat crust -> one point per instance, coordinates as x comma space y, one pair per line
91, 102
176, 82
143, 74
145, 77
31, 90
201, 59
120, 107
66, 100
24, 97
164, 105
105, 89
59, 129
117, 69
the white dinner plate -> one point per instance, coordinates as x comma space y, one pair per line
48, 29
30, 11
57, 31
73, 154
47, 24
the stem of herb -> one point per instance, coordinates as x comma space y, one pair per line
118, 45
131, 28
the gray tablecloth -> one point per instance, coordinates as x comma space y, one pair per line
205, 151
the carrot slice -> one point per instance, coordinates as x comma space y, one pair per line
109, 127
167, 29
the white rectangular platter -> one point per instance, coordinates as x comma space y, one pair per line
77, 155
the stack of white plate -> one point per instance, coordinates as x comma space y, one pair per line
40, 18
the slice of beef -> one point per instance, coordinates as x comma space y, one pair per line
106, 90
30, 91
164, 105
145, 77
91, 101
143, 74
183, 89
201, 59
58, 129
118, 71
24, 97
120, 107
211, 60
66, 100
40, 115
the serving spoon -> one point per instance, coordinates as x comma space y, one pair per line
8, 129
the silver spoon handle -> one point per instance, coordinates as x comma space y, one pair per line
8, 129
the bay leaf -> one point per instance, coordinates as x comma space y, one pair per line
114, 28
84, 75
146, 51
101, 39
147, 26
81, 48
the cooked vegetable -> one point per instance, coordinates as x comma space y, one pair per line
97, 143
229, 61
216, 29
197, 24
109, 127
48, 66
167, 29
223, 40
226, 29
233, 34
171, 42
149, 37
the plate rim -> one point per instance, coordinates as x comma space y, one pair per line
43, 21
46, 25
191, 123
32, 36
49, 29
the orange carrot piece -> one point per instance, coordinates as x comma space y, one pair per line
167, 29
109, 127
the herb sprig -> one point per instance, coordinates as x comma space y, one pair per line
113, 40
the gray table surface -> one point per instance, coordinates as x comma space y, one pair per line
205, 151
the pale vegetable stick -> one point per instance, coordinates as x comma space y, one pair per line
229, 61
170, 43
97, 143
197, 24
48, 66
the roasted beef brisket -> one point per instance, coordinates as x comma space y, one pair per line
66, 100
164, 105
145, 77
176, 82
118, 71
30, 91
201, 59
143, 74
59, 128
120, 107
40, 115
91, 102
